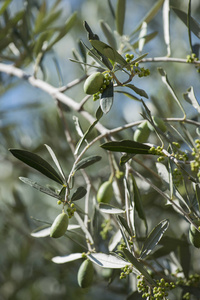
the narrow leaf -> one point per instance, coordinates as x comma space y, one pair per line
4, 6
143, 32
168, 85
42, 231
79, 193
124, 224
86, 162
108, 260
56, 161
109, 52
138, 201
127, 146
184, 251
138, 265
107, 99
194, 25
37, 163
110, 209
153, 238
189, 24
99, 114
108, 34
137, 90
150, 15
115, 240
66, 258
166, 26
120, 16
189, 96
128, 95
147, 38
40, 188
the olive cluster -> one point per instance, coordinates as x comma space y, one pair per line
71, 210
160, 291
106, 81
106, 228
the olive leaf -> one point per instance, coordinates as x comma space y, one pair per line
127, 146
108, 260
120, 16
106, 100
36, 162
153, 238
110, 209
79, 193
66, 258
40, 188
86, 162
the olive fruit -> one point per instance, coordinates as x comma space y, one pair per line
93, 83
85, 274
194, 234
59, 226
159, 123
142, 132
105, 192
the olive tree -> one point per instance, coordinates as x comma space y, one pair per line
125, 197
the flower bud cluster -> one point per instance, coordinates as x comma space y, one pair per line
71, 210
177, 176
106, 228
195, 164
191, 58
125, 271
159, 292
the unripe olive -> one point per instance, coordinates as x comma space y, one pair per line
159, 123
85, 274
59, 226
142, 132
105, 192
194, 234
93, 83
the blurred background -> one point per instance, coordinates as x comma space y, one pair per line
29, 119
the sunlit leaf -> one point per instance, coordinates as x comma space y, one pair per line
166, 10
66, 258
42, 231
127, 146
56, 161
110, 209
143, 32
106, 100
153, 238
108, 260
189, 96
36, 162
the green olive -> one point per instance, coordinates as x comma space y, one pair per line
105, 192
85, 274
194, 234
159, 123
93, 83
59, 226
142, 132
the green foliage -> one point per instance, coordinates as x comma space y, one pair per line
105, 221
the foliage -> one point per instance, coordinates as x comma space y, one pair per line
136, 240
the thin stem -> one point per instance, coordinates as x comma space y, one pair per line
169, 59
